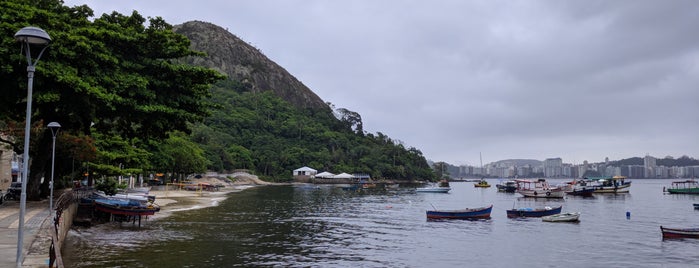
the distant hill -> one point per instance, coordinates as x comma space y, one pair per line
244, 63
266, 121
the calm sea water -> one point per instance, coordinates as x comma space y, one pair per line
325, 226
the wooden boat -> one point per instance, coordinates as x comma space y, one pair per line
125, 207
684, 187
615, 185
538, 189
508, 187
482, 184
669, 233
562, 217
578, 188
433, 190
462, 214
533, 212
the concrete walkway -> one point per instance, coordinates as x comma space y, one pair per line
37, 238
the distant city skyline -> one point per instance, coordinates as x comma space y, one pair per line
557, 168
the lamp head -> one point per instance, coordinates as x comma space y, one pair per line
33, 36
54, 126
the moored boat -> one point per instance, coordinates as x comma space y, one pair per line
684, 187
563, 217
538, 189
533, 212
615, 185
508, 186
696, 206
669, 233
433, 190
481, 184
463, 214
125, 207
578, 188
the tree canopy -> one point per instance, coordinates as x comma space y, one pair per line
129, 103
118, 75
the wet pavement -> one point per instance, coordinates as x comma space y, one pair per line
37, 239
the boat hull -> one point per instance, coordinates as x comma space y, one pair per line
586, 192
670, 233
462, 214
613, 189
541, 193
116, 209
684, 191
433, 190
563, 217
506, 188
521, 212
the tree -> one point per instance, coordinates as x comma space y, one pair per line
114, 72
178, 155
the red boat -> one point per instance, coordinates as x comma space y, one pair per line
669, 233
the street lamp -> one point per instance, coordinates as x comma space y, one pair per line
28, 36
54, 126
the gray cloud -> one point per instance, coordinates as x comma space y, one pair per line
581, 80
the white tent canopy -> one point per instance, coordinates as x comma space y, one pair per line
324, 174
305, 171
343, 176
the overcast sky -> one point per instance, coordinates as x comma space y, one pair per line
580, 80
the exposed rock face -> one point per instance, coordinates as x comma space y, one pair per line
242, 62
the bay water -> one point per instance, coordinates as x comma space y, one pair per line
326, 226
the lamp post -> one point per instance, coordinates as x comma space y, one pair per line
28, 36
54, 126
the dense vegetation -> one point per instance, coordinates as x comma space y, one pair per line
261, 132
128, 105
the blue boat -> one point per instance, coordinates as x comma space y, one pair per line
462, 214
533, 212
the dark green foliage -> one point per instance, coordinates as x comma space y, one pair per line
261, 132
117, 75
109, 186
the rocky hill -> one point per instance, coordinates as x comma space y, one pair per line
244, 63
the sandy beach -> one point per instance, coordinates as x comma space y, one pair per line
171, 199
179, 200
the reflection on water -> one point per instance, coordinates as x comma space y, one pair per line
325, 226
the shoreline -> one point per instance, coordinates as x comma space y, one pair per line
172, 201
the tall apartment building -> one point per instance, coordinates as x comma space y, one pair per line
553, 167
649, 166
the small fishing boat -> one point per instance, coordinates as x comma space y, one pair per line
508, 186
533, 212
461, 214
481, 184
614, 185
562, 217
433, 190
577, 188
684, 187
669, 233
696, 206
538, 189
125, 207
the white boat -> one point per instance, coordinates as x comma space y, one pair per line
538, 189
562, 217
433, 190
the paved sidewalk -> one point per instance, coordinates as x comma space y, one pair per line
36, 224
